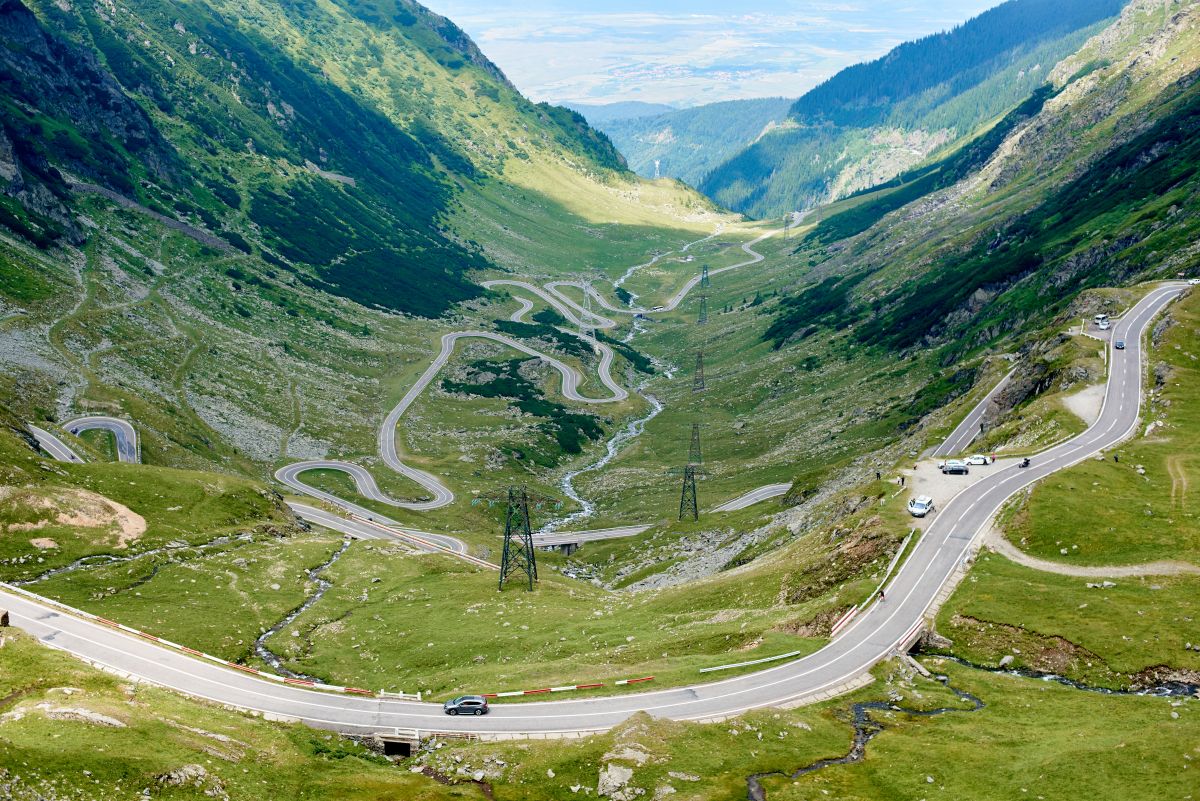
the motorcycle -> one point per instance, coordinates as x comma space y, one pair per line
1024, 462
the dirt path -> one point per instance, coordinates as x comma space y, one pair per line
1179, 481
996, 541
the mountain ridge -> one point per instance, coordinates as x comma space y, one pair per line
236, 136
886, 116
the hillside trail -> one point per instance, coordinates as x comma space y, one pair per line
997, 542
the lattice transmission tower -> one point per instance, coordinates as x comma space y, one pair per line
698, 376
705, 283
703, 310
588, 330
694, 455
689, 502
519, 556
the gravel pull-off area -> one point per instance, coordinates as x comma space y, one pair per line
1086, 404
926, 479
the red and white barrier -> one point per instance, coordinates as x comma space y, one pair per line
851, 613
567, 688
902, 644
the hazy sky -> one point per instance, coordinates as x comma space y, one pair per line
685, 53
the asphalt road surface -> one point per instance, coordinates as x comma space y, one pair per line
123, 433
53, 445
872, 636
593, 535
968, 429
754, 496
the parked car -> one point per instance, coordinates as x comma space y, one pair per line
1103, 325
979, 458
955, 467
1101, 318
1194, 281
920, 506
1119, 344
466, 705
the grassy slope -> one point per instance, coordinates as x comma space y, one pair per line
177, 506
1143, 517
807, 162
1032, 731
1100, 513
244, 758
978, 263
691, 142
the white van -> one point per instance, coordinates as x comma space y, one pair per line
920, 506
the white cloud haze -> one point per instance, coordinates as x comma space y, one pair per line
689, 53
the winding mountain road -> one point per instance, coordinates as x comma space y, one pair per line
754, 496
54, 446
880, 630
128, 447
439, 495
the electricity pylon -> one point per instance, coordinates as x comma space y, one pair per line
694, 456
518, 555
703, 310
704, 282
689, 504
698, 376
588, 331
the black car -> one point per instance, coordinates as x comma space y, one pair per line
1119, 344
466, 705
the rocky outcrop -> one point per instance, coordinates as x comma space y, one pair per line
27, 177
63, 110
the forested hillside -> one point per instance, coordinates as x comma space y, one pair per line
688, 143
1092, 181
870, 122
598, 114
219, 219
331, 139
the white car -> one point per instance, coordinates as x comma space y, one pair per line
1194, 281
920, 506
979, 458
1103, 325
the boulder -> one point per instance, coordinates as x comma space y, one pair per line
931, 640
614, 783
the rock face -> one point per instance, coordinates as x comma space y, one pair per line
49, 77
614, 783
